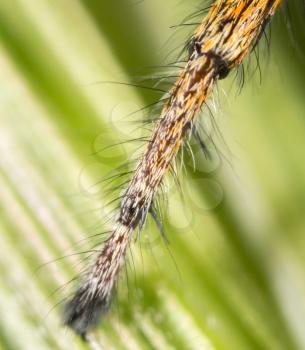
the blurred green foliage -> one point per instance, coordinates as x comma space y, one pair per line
233, 274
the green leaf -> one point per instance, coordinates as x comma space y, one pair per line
232, 276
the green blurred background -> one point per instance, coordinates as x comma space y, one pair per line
232, 276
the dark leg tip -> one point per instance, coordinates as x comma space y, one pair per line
83, 314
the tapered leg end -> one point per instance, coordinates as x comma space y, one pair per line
82, 314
